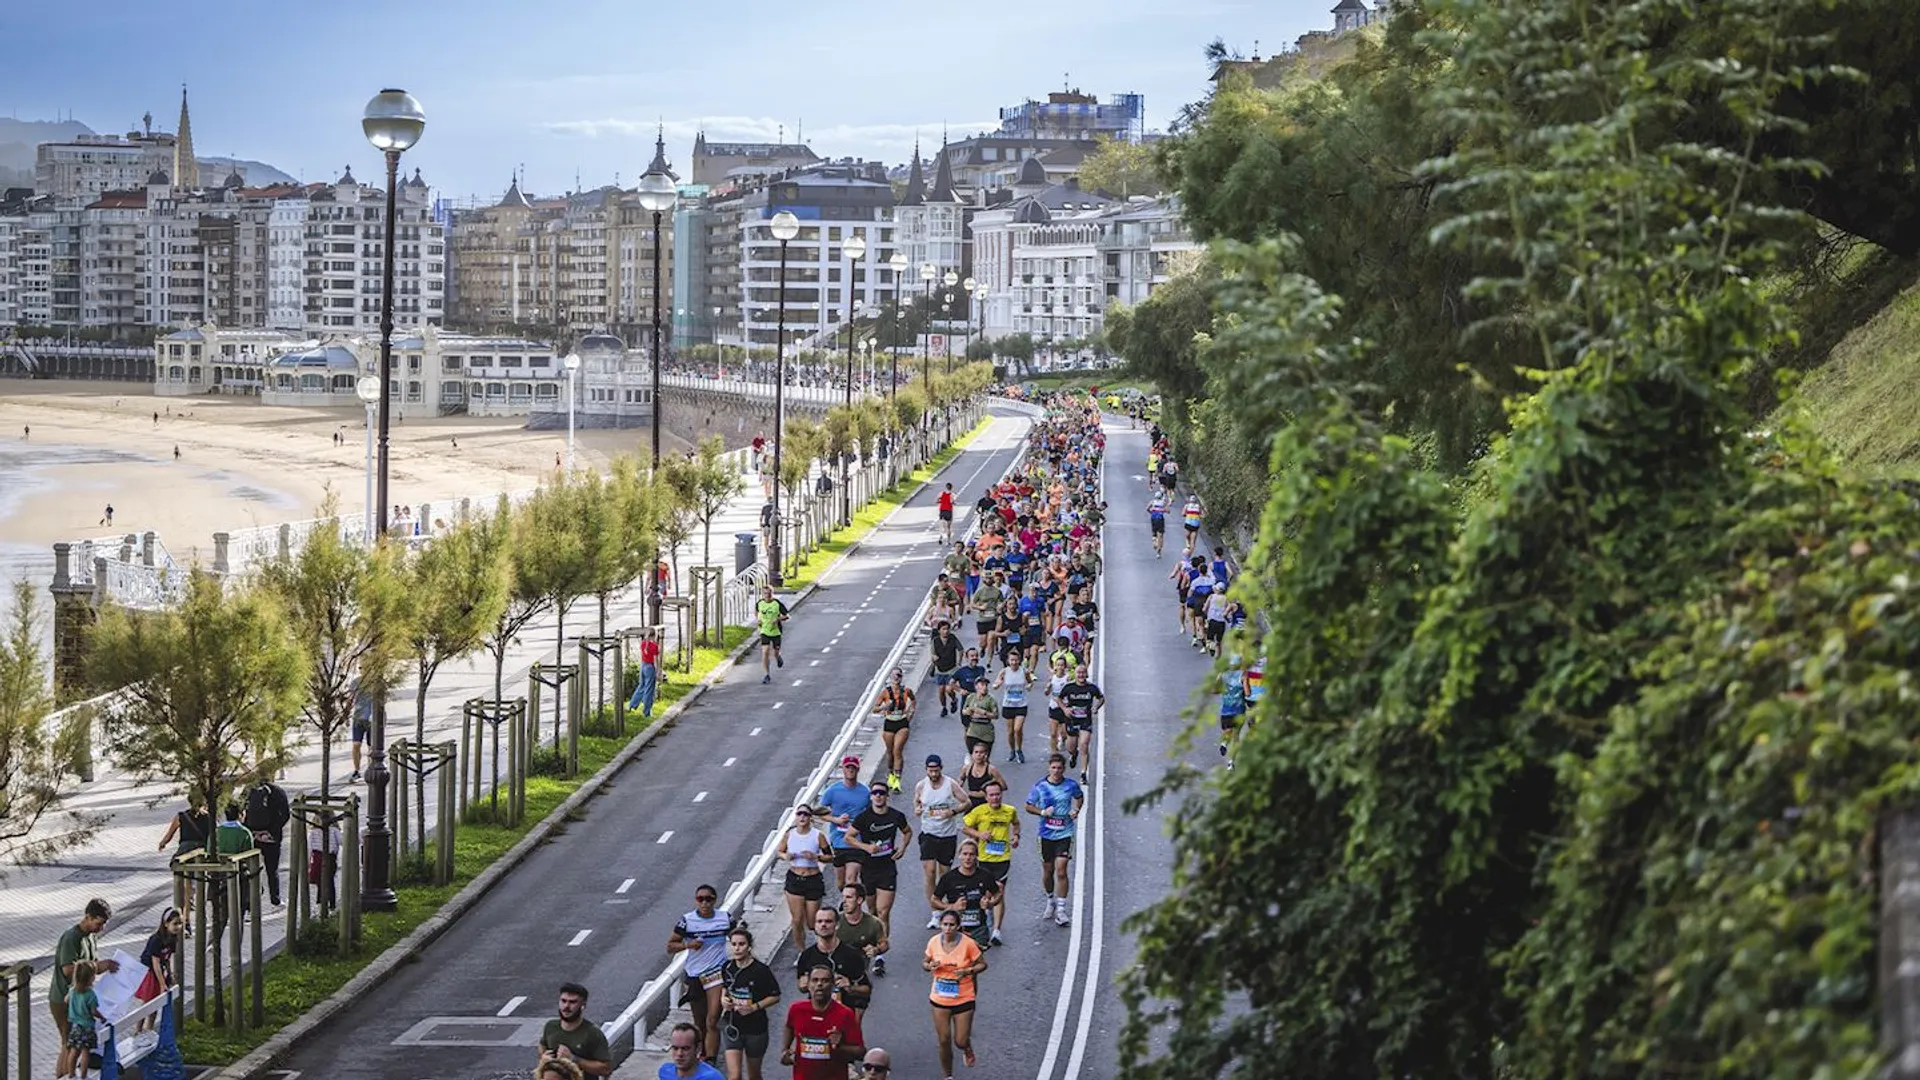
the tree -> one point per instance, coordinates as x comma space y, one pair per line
677, 508
34, 762
526, 589
347, 605
212, 688
563, 525
1121, 168
456, 590
713, 484
1018, 348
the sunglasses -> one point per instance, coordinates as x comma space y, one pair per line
705, 898
864, 1067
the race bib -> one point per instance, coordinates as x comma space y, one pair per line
814, 1048
884, 847
1055, 822
996, 847
710, 980
742, 993
970, 917
946, 988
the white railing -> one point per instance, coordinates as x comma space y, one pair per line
147, 588
823, 395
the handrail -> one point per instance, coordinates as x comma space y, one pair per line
748, 886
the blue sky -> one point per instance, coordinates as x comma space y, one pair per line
575, 88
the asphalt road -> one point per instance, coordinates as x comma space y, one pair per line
1049, 1007
597, 903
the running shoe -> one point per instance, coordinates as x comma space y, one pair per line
995, 939
1073, 761
893, 781
1013, 756
880, 966
1060, 917
1223, 749
765, 679
966, 1053
933, 922
779, 661
1083, 778
353, 777
1229, 764
1048, 906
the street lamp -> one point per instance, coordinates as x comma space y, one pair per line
966, 291
899, 266
368, 390
784, 227
928, 272
980, 311
572, 364
657, 195
393, 123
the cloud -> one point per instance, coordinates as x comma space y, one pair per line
769, 129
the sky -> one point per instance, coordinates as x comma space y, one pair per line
572, 92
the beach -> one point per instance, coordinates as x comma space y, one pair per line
240, 464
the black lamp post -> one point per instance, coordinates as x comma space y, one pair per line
855, 248
784, 228
393, 122
657, 196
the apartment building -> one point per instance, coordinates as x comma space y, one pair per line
833, 202
345, 233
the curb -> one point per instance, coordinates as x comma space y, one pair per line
383, 965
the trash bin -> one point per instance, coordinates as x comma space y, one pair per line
746, 551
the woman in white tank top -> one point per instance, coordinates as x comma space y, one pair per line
802, 846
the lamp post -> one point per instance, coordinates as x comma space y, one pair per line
572, 364
855, 248
927, 273
368, 390
966, 291
657, 195
898, 263
784, 227
393, 123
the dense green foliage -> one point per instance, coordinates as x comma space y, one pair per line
1576, 774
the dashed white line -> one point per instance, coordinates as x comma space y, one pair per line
815, 663
578, 938
778, 704
797, 682
701, 797
624, 886
728, 764
512, 1004
752, 733
666, 836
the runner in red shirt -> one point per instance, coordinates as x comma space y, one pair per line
946, 513
823, 1036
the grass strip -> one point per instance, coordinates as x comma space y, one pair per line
297, 980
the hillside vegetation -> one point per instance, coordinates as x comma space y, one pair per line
1864, 402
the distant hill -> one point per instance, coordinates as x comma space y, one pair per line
19, 137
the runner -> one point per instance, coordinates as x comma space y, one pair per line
773, 616
847, 963
985, 604
1233, 706
1081, 700
977, 714
1157, 520
895, 705
1033, 623
1056, 800
751, 990
970, 671
996, 828
979, 771
954, 960
803, 845
859, 927
969, 890
946, 513
946, 660
822, 1036
844, 800
939, 801
1216, 611
1059, 674
1190, 515
702, 935
881, 833
1013, 683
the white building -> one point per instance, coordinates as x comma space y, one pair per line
346, 241
833, 202
287, 262
11, 225
113, 246
92, 165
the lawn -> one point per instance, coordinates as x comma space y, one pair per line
296, 983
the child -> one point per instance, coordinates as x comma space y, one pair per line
157, 958
83, 1009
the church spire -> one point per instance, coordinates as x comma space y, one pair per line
186, 167
916, 182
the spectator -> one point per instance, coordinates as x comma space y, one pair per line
268, 812
157, 958
80, 943
648, 686
323, 861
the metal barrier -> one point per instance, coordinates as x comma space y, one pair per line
568, 690
436, 760
743, 592
477, 716
16, 1023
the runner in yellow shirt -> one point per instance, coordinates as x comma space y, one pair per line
997, 827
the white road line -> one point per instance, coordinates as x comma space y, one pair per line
578, 938
752, 733
728, 764
512, 1004
778, 704
812, 663
701, 797
797, 682
668, 835
624, 886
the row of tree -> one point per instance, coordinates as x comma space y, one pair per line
1587, 690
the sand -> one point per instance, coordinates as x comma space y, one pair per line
242, 463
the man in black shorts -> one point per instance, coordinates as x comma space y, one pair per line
1081, 701
881, 833
946, 661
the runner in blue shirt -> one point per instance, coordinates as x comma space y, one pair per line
1056, 801
1233, 706
845, 799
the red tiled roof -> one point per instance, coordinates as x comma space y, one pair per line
120, 200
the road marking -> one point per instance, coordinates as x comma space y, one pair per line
778, 704
668, 835
814, 663
728, 764
797, 682
512, 1004
578, 938
624, 886
702, 797
754, 732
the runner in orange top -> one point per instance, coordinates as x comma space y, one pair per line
954, 959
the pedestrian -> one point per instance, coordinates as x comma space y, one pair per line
456, 442
362, 725
157, 957
176, 452
79, 944
83, 1012
26, 432
323, 861
108, 518
572, 1037
648, 687
267, 814
683, 1056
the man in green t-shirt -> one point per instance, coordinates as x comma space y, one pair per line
772, 615
79, 942
574, 1037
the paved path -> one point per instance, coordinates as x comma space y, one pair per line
596, 905
121, 863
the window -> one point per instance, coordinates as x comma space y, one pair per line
449, 363
540, 361
509, 361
